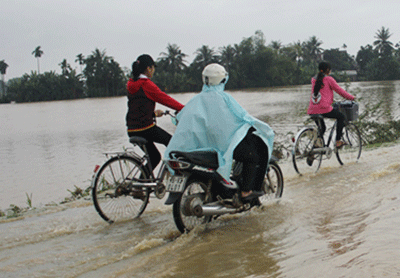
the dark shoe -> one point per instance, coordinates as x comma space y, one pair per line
310, 160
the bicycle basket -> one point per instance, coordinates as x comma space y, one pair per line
348, 108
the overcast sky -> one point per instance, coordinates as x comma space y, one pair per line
127, 28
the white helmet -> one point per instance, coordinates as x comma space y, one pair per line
214, 74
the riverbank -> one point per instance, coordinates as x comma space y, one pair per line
14, 213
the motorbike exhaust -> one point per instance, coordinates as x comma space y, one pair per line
200, 210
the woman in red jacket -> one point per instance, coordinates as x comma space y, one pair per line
142, 97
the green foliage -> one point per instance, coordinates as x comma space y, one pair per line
104, 77
382, 43
250, 63
376, 123
339, 59
374, 130
29, 200
383, 68
377, 133
3, 67
47, 86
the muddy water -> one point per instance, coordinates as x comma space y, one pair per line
340, 222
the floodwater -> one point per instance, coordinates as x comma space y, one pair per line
340, 222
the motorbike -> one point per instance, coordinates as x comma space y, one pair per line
199, 194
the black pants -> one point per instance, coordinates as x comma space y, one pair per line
253, 152
334, 114
153, 135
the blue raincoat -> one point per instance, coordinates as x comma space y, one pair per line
214, 120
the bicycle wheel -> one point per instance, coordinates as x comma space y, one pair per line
350, 152
304, 160
113, 195
273, 183
185, 221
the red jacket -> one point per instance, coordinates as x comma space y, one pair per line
142, 97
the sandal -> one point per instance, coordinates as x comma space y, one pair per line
252, 195
340, 144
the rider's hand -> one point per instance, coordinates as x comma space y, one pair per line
158, 113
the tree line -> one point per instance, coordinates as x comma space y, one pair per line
250, 63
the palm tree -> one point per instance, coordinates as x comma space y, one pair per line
259, 40
227, 56
312, 50
204, 56
95, 62
294, 51
103, 75
80, 59
397, 51
298, 50
95, 71
174, 58
37, 53
65, 67
3, 69
276, 46
382, 44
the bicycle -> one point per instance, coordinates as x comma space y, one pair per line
310, 148
121, 187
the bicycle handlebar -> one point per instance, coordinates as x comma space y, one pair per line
173, 116
167, 112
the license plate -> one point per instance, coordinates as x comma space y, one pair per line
175, 183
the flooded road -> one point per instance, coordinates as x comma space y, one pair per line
342, 221
339, 222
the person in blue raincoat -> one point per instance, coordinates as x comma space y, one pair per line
214, 120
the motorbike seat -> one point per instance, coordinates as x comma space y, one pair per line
207, 159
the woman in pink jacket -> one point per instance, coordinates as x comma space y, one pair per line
321, 100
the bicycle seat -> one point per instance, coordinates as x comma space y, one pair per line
207, 159
137, 140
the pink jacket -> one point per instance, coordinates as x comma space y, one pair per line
325, 104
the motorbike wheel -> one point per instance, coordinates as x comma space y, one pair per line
273, 183
195, 192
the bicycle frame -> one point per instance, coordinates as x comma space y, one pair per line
151, 183
330, 137
310, 148
122, 185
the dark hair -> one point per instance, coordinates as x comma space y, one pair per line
323, 68
141, 64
